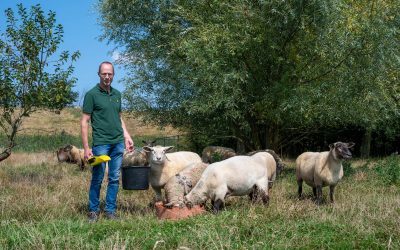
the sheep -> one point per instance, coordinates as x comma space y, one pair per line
137, 157
236, 176
273, 169
72, 154
180, 185
212, 154
164, 165
320, 169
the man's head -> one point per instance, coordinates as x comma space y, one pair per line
106, 74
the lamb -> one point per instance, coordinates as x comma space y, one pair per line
320, 169
180, 185
164, 165
236, 176
72, 154
212, 154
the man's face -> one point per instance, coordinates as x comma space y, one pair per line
106, 74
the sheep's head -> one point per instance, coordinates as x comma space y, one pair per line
341, 150
157, 154
64, 154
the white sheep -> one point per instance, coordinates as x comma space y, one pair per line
236, 176
320, 169
273, 169
164, 165
212, 154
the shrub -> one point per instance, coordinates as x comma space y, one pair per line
389, 170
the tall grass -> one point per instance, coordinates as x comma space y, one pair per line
43, 205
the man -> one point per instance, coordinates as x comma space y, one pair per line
102, 107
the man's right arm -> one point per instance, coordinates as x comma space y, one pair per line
84, 133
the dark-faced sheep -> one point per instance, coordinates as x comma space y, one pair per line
236, 176
212, 154
320, 169
164, 165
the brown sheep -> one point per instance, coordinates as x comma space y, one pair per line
212, 154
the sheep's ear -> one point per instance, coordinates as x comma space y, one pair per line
331, 146
68, 147
147, 149
350, 144
153, 142
167, 149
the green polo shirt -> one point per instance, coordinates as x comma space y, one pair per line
104, 109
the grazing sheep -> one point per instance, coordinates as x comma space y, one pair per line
212, 154
322, 169
273, 169
180, 185
236, 176
72, 154
164, 165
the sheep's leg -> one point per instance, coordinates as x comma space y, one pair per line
314, 190
262, 190
300, 188
264, 197
219, 198
331, 191
253, 195
319, 194
217, 205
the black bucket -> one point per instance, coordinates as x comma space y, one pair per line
135, 177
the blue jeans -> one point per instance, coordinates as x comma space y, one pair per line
115, 151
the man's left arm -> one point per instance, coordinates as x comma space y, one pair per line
129, 145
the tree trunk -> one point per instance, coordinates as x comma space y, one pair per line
5, 154
366, 143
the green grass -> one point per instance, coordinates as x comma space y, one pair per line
43, 206
44, 143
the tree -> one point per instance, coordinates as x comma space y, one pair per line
256, 70
27, 80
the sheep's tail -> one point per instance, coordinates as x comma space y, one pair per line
279, 163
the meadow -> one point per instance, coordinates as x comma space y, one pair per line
43, 205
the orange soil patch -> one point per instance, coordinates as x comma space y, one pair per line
176, 213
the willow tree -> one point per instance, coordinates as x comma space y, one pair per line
250, 70
28, 81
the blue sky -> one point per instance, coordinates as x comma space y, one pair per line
81, 32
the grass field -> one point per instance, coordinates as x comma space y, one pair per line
43, 205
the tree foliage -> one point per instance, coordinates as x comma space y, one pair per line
33, 75
260, 72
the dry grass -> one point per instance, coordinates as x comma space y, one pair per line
68, 120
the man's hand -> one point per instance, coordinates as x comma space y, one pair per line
87, 153
129, 145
